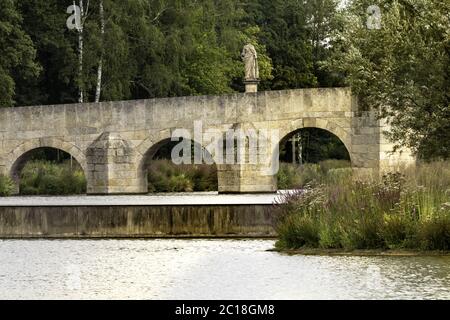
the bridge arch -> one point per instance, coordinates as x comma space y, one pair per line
343, 134
22, 153
150, 148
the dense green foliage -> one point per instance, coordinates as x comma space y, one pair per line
154, 48
295, 34
401, 69
17, 52
150, 48
409, 210
40, 177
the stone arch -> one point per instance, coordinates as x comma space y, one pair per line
149, 148
19, 155
150, 145
343, 134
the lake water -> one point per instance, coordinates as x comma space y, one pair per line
208, 269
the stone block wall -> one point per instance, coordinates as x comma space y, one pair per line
113, 141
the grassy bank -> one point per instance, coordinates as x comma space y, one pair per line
362, 252
338, 210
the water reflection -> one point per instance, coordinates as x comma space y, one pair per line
208, 269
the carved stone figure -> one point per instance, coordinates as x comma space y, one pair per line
250, 58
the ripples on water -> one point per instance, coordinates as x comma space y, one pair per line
208, 269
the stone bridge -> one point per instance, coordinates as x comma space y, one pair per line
113, 141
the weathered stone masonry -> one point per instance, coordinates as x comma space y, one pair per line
113, 141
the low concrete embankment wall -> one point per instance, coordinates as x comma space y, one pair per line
249, 220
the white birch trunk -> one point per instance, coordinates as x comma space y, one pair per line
100, 63
80, 53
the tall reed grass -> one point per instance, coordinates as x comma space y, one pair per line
293, 176
402, 210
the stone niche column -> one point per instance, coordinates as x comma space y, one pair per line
244, 178
250, 171
112, 167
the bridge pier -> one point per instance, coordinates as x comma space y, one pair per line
245, 178
112, 167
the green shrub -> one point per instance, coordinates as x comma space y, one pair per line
40, 177
7, 186
165, 176
180, 183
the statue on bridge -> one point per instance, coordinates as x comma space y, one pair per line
250, 58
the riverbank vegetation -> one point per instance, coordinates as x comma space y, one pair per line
6, 186
296, 176
41, 177
344, 210
44, 177
165, 176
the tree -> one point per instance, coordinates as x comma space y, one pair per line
56, 46
17, 63
296, 34
80, 29
401, 69
183, 48
157, 48
133, 49
322, 20
98, 90
284, 32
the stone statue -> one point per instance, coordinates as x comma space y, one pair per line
250, 58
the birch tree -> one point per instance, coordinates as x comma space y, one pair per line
83, 15
100, 63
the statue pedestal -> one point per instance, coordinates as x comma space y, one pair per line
251, 86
